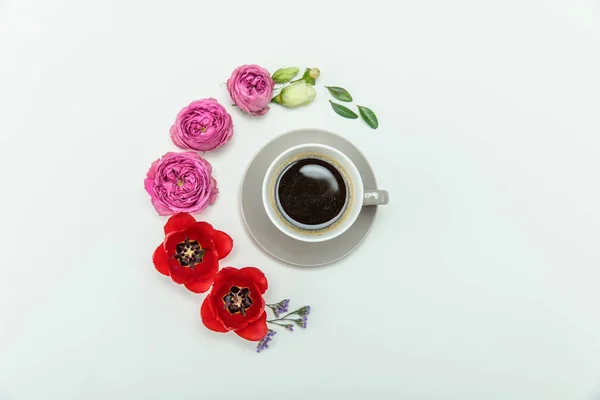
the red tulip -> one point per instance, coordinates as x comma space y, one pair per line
236, 304
191, 251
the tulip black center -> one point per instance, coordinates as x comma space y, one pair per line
189, 253
238, 300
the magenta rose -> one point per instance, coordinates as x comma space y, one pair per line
180, 182
251, 89
203, 125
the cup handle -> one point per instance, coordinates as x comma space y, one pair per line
376, 197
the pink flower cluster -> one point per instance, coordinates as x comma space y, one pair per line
183, 182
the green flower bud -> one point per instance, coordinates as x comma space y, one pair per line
295, 95
310, 75
283, 75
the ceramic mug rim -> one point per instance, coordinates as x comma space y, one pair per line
351, 176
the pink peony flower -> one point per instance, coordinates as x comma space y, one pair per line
180, 182
251, 89
203, 125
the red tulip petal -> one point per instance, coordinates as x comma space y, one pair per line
203, 227
205, 270
207, 317
199, 285
179, 222
237, 320
201, 232
256, 276
159, 258
225, 275
256, 330
223, 243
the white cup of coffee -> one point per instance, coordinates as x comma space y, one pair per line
313, 192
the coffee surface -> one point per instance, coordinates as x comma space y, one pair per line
311, 191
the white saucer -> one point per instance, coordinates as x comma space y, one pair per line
271, 239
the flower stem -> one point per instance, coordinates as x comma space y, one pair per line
275, 323
280, 319
292, 313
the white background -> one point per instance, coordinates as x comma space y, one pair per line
480, 280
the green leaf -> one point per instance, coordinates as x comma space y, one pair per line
276, 99
369, 116
343, 110
339, 93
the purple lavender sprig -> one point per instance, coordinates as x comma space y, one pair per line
264, 343
301, 322
302, 312
280, 308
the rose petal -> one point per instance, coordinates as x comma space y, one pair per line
223, 243
256, 330
203, 125
260, 112
179, 222
208, 318
159, 258
180, 183
256, 276
214, 191
251, 88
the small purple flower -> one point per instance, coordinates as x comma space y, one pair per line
304, 321
301, 321
264, 343
289, 327
280, 307
304, 310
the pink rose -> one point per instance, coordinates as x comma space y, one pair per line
180, 182
203, 125
251, 89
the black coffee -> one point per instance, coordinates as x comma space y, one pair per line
311, 191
